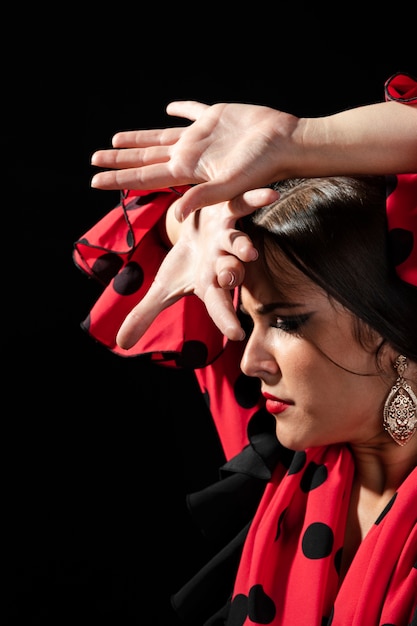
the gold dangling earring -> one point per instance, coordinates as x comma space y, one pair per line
400, 409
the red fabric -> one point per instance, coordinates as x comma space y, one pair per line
401, 87
402, 198
402, 225
289, 570
123, 252
288, 574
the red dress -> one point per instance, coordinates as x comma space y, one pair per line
279, 517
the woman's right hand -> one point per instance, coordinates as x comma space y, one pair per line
229, 148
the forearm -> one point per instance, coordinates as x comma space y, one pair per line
374, 139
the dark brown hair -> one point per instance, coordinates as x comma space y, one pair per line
335, 231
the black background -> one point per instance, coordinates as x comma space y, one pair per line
99, 451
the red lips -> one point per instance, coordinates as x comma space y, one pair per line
274, 405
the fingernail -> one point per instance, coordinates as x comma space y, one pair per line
183, 215
231, 278
178, 216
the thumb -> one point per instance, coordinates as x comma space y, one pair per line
201, 195
137, 322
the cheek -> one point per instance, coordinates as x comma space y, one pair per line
298, 360
340, 349
312, 374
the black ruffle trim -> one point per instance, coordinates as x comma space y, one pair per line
224, 511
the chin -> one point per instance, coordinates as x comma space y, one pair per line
295, 442
291, 443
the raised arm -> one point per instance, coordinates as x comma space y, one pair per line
231, 148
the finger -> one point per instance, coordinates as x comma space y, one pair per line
190, 109
214, 192
242, 247
220, 307
236, 243
153, 176
146, 138
130, 157
143, 314
230, 272
249, 201
201, 195
135, 325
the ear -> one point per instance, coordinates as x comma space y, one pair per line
410, 374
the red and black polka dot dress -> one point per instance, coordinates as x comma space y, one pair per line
281, 516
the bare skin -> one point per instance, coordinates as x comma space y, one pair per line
232, 148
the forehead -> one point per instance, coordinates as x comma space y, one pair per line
282, 283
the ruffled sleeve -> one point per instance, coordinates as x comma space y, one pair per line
401, 87
402, 194
123, 252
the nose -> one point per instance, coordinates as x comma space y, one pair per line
257, 360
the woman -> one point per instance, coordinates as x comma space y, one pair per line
316, 509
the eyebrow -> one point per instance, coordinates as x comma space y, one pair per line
264, 309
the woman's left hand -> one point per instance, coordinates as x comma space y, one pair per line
207, 260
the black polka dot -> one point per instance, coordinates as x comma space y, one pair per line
261, 608
238, 610
317, 541
314, 476
297, 463
106, 266
247, 390
129, 280
193, 354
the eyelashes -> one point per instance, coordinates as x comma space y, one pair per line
291, 324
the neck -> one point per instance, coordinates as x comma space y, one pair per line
381, 469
